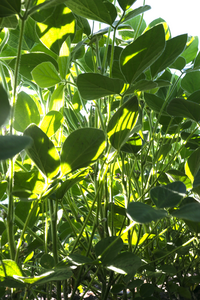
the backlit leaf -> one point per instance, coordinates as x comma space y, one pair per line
82, 148
122, 123
42, 152
93, 86
51, 122
45, 75
141, 54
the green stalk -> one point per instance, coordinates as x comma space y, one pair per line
53, 211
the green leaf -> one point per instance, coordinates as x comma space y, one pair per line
191, 50
190, 81
133, 13
51, 122
133, 145
102, 11
3, 188
45, 75
47, 261
141, 54
10, 267
178, 64
30, 60
82, 148
174, 47
154, 102
42, 152
147, 289
189, 212
53, 275
55, 30
126, 263
168, 195
4, 105
9, 7
57, 98
9, 22
26, 112
108, 248
68, 183
126, 4
10, 145
122, 123
23, 209
79, 259
64, 58
192, 165
93, 86
143, 213
184, 108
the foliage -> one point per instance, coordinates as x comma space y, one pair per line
99, 150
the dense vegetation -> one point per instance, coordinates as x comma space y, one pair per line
99, 150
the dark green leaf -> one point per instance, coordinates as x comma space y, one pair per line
102, 11
42, 152
3, 188
178, 64
146, 289
10, 145
143, 213
122, 123
23, 209
26, 112
141, 54
79, 259
133, 145
126, 4
4, 106
133, 13
190, 81
189, 212
126, 263
47, 261
9, 7
183, 108
108, 248
9, 22
168, 195
192, 165
93, 86
154, 102
174, 47
82, 148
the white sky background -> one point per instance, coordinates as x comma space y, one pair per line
182, 16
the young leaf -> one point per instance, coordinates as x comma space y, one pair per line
51, 122
26, 112
42, 152
143, 213
93, 86
174, 47
168, 195
82, 148
10, 145
141, 54
4, 105
122, 123
55, 30
45, 75
189, 212
102, 11
9, 7
184, 108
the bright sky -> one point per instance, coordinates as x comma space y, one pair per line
182, 16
